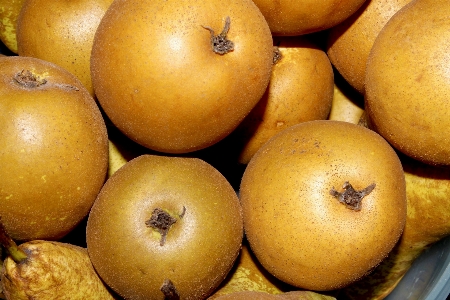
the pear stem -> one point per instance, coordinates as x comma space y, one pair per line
17, 254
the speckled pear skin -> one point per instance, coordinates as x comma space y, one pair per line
53, 270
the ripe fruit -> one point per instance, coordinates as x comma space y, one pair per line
160, 82
61, 32
305, 16
291, 194
349, 42
165, 225
48, 270
53, 149
406, 81
300, 90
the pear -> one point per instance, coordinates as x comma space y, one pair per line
44, 270
347, 104
428, 221
9, 12
406, 81
165, 226
121, 149
53, 149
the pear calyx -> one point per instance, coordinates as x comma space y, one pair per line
350, 197
220, 43
161, 221
27, 79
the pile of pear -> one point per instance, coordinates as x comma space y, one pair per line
75, 185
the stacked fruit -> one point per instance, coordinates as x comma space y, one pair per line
226, 150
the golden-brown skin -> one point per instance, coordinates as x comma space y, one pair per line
300, 90
53, 150
200, 248
298, 17
159, 81
349, 43
61, 32
301, 233
428, 221
52, 270
407, 81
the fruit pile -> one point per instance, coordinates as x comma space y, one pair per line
244, 149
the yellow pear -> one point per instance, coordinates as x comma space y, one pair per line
347, 104
249, 275
428, 221
121, 150
9, 12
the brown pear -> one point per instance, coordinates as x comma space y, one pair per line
406, 83
53, 149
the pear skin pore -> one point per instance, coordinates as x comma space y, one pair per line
53, 270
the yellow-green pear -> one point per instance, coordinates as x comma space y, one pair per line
48, 270
428, 221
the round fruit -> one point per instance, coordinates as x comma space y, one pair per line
324, 202
165, 225
349, 43
53, 149
163, 82
300, 90
305, 16
61, 32
407, 84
